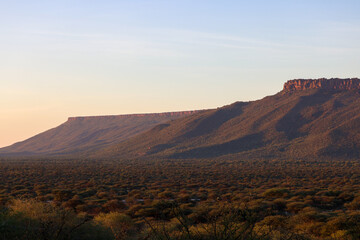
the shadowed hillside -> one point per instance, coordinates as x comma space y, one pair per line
304, 122
81, 134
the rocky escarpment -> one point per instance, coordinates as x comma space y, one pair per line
138, 115
323, 83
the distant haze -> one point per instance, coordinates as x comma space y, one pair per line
73, 58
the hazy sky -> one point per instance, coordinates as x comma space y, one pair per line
70, 58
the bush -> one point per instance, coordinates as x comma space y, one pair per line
121, 225
30, 219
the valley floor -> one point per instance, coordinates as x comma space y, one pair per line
180, 199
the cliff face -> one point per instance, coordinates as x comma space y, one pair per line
323, 83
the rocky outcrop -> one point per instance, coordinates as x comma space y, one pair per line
323, 83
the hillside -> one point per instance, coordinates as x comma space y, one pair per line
307, 119
81, 134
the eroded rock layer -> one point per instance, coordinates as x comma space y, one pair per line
323, 83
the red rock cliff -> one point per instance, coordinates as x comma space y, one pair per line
323, 83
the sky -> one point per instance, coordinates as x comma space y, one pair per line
77, 58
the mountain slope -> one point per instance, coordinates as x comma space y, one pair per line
321, 120
81, 134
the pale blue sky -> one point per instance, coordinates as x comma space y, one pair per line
71, 58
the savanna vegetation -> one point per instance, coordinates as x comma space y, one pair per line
179, 199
